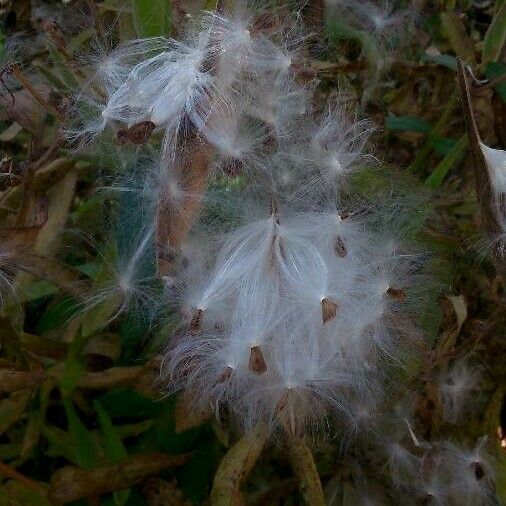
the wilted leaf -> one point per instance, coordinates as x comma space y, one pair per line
60, 197
25, 109
12, 380
454, 29
72, 483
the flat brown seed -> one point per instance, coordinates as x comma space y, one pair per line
225, 375
196, 321
329, 310
339, 247
257, 361
396, 294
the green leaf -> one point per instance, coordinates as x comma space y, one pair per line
86, 451
496, 70
445, 60
196, 476
56, 315
37, 290
452, 158
424, 152
443, 145
407, 124
210, 5
74, 366
114, 448
127, 403
101, 315
495, 38
60, 444
152, 18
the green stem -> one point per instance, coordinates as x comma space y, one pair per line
421, 158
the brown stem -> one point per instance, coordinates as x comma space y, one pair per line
10, 472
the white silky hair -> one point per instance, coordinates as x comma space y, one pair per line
289, 313
456, 386
302, 305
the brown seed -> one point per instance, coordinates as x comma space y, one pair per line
339, 247
257, 362
329, 310
225, 375
397, 294
137, 134
196, 321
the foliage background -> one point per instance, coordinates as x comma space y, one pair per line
81, 412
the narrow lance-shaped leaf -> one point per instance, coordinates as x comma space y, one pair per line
495, 38
82, 440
